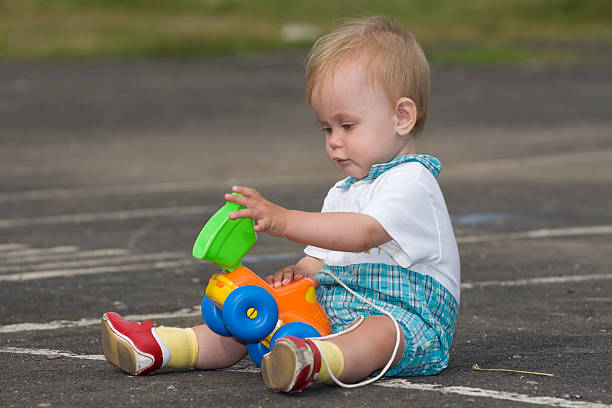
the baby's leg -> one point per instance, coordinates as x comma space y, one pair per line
368, 348
141, 348
215, 351
293, 364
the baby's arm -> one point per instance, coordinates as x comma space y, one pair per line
336, 231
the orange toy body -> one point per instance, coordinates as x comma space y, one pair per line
296, 302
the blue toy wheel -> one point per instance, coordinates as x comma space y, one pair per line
296, 329
235, 311
213, 318
256, 352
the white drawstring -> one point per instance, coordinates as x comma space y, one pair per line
360, 320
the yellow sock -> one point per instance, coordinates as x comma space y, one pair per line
183, 346
334, 358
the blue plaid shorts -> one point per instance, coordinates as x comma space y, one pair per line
424, 309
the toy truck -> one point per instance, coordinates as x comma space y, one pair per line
239, 303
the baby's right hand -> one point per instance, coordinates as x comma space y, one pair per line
285, 276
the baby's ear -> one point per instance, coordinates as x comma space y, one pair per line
406, 114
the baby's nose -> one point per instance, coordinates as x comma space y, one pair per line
334, 140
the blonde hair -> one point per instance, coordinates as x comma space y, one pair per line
394, 60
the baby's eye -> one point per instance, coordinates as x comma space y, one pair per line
347, 126
326, 130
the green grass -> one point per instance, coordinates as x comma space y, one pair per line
451, 31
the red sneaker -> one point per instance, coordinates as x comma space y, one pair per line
133, 347
292, 364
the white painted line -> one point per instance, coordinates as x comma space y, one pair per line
538, 234
63, 273
64, 324
482, 393
24, 271
51, 353
105, 191
390, 383
106, 216
39, 252
156, 256
242, 368
537, 281
169, 187
71, 255
274, 180
11, 247
195, 310
484, 167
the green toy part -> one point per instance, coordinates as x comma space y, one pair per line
225, 241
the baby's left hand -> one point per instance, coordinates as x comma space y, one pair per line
269, 217
285, 276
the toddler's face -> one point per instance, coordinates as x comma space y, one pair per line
358, 120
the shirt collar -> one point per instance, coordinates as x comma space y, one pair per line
431, 163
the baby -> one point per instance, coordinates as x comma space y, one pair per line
384, 232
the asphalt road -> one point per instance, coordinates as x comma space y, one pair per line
109, 169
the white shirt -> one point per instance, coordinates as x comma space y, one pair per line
407, 202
